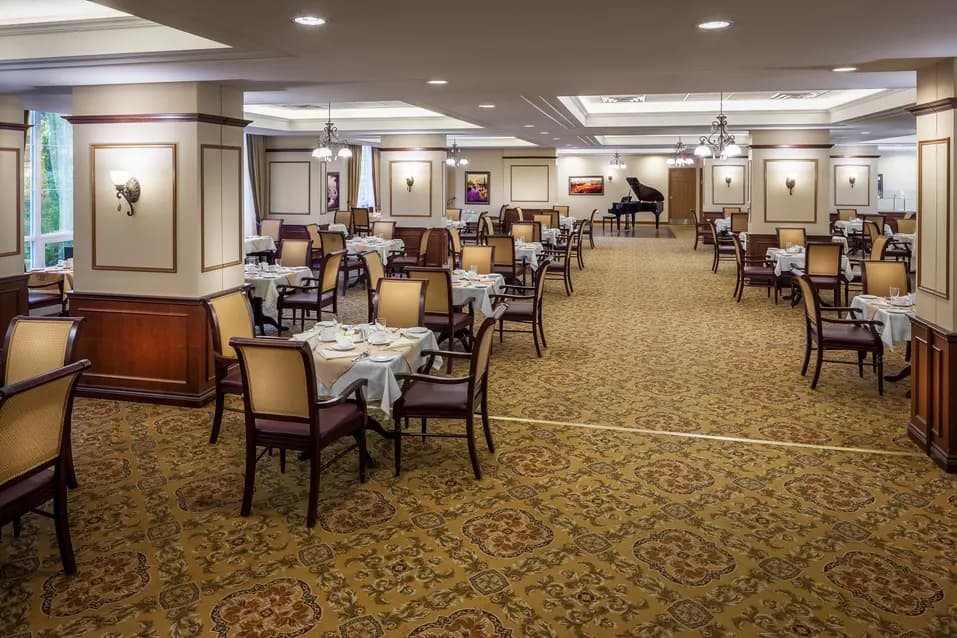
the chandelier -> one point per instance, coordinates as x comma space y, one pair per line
720, 143
681, 156
330, 146
455, 157
616, 163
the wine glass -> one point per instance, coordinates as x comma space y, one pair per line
894, 292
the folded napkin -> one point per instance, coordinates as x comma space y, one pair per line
339, 354
400, 343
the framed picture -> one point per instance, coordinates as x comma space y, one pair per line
332, 191
586, 185
477, 190
852, 185
727, 184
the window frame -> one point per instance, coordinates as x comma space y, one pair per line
36, 239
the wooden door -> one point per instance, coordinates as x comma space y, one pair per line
681, 194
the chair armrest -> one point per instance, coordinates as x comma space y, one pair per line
416, 376
353, 388
284, 289
448, 353
840, 309
507, 296
518, 287
854, 322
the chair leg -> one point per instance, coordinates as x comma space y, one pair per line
860, 363
62, 523
363, 452
397, 445
71, 481
470, 435
313, 508
807, 356
485, 423
817, 367
538, 349
541, 331
282, 460
880, 372
425, 428
17, 527
217, 416
568, 280
250, 478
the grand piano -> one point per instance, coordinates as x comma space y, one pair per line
650, 200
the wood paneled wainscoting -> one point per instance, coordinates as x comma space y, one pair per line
13, 299
933, 420
759, 243
151, 349
438, 250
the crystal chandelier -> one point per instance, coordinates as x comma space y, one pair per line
616, 163
681, 156
330, 146
720, 143
455, 157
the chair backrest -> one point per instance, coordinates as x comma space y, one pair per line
34, 345
35, 421
561, 210
360, 217
482, 350
729, 210
230, 315
738, 250
271, 228
329, 271
296, 252
824, 259
878, 277
796, 236
910, 215
907, 226
385, 230
424, 242
487, 227
556, 218
544, 219
482, 257
739, 222
374, 268
501, 213
873, 230
278, 379
332, 241
454, 214
438, 295
344, 217
878, 247
456, 240
539, 282
504, 249
401, 302
512, 215
527, 231
314, 236
591, 218
846, 214
812, 304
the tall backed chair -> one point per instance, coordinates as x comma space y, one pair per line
271, 227
433, 397
823, 334
907, 226
702, 230
401, 302
525, 308
486, 227
398, 263
441, 316
316, 239
454, 214
482, 257
575, 239
560, 266
879, 277
739, 222
589, 231
752, 271
793, 236
505, 263
333, 241
385, 230
282, 411
344, 217
545, 219
473, 231
846, 214
823, 266
360, 220
730, 210
296, 253
455, 247
374, 271
35, 433
527, 231
723, 247
34, 346
230, 315
561, 210
872, 232
511, 216
42, 293
316, 297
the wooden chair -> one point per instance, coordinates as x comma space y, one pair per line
316, 238
482, 257
505, 264
589, 231
455, 247
296, 253
727, 211
454, 214
282, 411
561, 210
855, 276
855, 335
896, 250
374, 271
752, 271
34, 346
360, 220
314, 298
401, 302
793, 236
433, 397
385, 230
871, 233
702, 230
344, 217
739, 223
333, 241
822, 264
560, 266
441, 316
35, 419
907, 226
230, 315
846, 214
399, 262
878, 277
525, 308
723, 248
271, 227
512, 215
544, 219
527, 231
46, 294
473, 231
486, 227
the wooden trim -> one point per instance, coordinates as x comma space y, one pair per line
933, 418
799, 146
937, 106
511, 182
14, 299
308, 186
14, 126
392, 212
744, 188
945, 293
18, 187
444, 149
867, 172
289, 150
145, 118
202, 205
175, 214
528, 157
855, 156
789, 159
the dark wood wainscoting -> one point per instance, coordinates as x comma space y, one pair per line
933, 420
13, 300
758, 243
151, 349
438, 250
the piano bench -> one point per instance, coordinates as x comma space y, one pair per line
607, 219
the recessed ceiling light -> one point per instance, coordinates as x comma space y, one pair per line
528, 125
486, 106
556, 138
437, 82
865, 132
844, 69
543, 132
714, 25
309, 21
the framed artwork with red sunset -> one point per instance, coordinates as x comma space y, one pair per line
586, 185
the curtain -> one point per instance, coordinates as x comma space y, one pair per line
375, 176
256, 153
355, 165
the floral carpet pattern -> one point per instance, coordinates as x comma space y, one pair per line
609, 509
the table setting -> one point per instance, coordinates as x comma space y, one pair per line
63, 271
258, 244
794, 257
856, 227
384, 247
551, 235
468, 286
893, 311
339, 228
567, 222
265, 280
470, 216
529, 252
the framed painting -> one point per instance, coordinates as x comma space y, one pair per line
332, 191
586, 185
477, 189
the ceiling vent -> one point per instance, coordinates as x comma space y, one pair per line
622, 99
797, 95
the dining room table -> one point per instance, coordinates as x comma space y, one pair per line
258, 244
477, 289
51, 275
551, 235
856, 227
265, 282
339, 228
385, 247
894, 314
787, 259
528, 252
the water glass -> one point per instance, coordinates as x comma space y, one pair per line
473, 270
894, 292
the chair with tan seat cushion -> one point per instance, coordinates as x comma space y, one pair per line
401, 302
333, 241
482, 257
385, 230
316, 238
282, 411
230, 315
314, 297
589, 231
44, 293
35, 417
455, 247
269, 227
907, 226
441, 316
823, 265
398, 263
344, 217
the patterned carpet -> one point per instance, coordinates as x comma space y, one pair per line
587, 523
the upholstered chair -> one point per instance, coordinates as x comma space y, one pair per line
455, 247
344, 217
433, 397
723, 247
823, 265
398, 263
561, 210
560, 266
453, 214
473, 230
486, 227
527, 231
505, 263
42, 293
794, 236
739, 223
878, 277
441, 316
907, 226
727, 211
523, 304
374, 271
296, 253
401, 302
315, 297
230, 315
752, 271
316, 239
360, 220
271, 227
482, 257
385, 230
589, 231
544, 219
282, 411
333, 241
702, 230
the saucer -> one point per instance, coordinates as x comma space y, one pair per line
382, 358
343, 346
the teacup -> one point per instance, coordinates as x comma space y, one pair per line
329, 334
343, 342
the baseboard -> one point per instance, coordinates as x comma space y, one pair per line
144, 396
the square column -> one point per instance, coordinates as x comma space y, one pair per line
13, 281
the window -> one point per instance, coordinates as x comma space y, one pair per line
366, 191
48, 190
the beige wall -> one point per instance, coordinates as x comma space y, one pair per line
859, 162
738, 191
11, 187
313, 192
427, 203
899, 168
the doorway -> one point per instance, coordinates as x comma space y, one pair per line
681, 194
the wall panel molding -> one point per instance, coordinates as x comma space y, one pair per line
931, 212
288, 182
145, 118
207, 215
11, 203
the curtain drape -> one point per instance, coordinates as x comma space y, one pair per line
256, 154
375, 176
355, 166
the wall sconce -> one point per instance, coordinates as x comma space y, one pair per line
127, 188
852, 180
790, 182
727, 180
409, 181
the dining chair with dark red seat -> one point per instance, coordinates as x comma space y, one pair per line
526, 231
427, 396
856, 335
35, 418
752, 271
270, 227
360, 220
723, 247
314, 298
399, 262
230, 315
383, 230
46, 294
822, 263
524, 308
441, 316
482, 257
589, 231
283, 411
334, 242
560, 266
878, 277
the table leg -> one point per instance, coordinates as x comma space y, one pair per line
373, 424
260, 318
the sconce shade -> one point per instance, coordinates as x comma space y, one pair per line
409, 181
119, 178
790, 183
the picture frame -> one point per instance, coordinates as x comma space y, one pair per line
586, 185
478, 190
333, 199
290, 187
529, 183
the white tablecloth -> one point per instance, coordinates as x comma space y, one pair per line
550, 235
355, 246
382, 385
896, 328
785, 261
265, 285
566, 222
529, 252
480, 296
856, 226
339, 228
258, 244
450, 223
722, 225
470, 217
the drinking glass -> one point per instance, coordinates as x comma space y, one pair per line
894, 292
473, 270
788, 245
279, 263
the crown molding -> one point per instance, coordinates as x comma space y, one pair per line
937, 106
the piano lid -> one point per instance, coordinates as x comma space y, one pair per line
645, 193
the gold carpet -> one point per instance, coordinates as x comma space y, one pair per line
612, 507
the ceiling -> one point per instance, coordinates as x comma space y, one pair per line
522, 56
